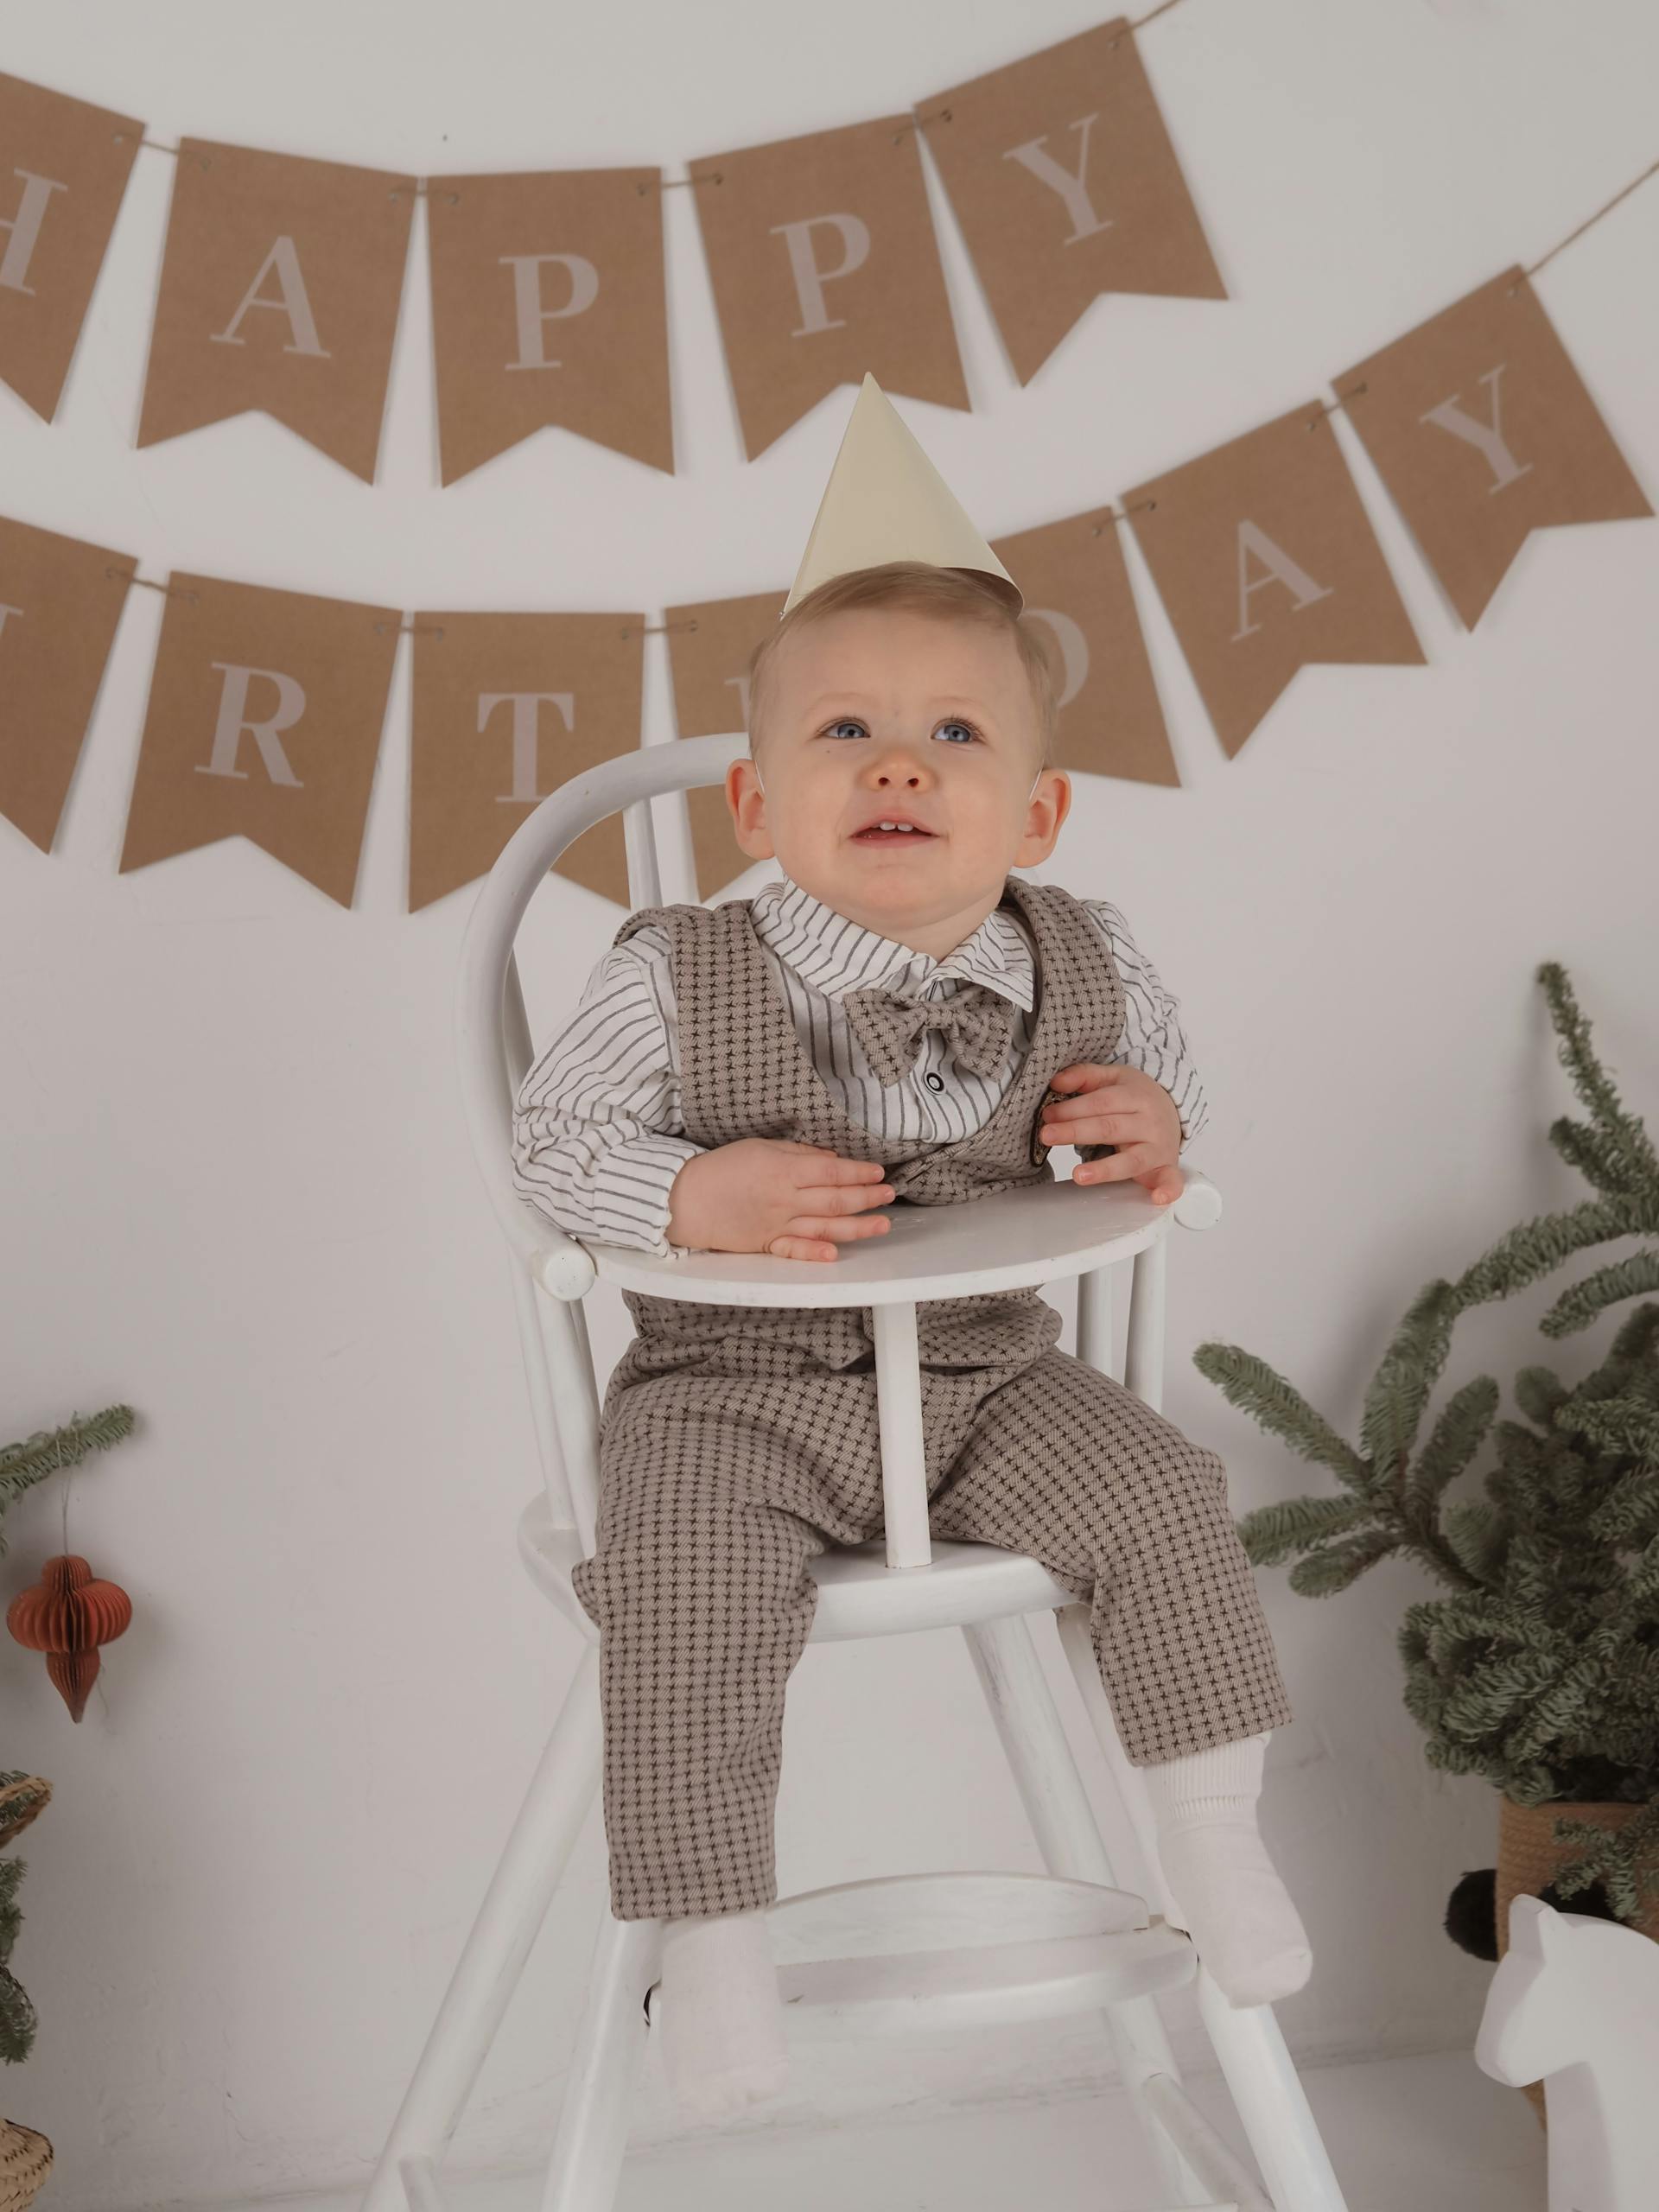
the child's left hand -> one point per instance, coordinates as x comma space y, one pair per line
1121, 1106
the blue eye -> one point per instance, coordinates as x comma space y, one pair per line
952, 722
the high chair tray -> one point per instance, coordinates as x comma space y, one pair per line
1006, 1241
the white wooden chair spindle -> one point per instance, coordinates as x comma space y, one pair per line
859, 1957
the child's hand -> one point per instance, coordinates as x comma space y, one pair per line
766, 1194
1121, 1106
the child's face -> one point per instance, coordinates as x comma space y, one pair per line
879, 708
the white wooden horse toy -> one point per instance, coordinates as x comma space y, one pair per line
1575, 2003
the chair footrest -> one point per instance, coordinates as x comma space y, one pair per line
940, 1950
981, 1984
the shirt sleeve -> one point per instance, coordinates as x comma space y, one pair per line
597, 1135
1152, 1039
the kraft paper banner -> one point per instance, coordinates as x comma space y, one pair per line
1265, 560
264, 721
1075, 583
1484, 432
64, 166
506, 708
710, 647
1061, 172
280, 283
60, 600
549, 306
824, 264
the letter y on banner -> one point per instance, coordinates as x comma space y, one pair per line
1482, 430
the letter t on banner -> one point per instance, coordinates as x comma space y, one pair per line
506, 708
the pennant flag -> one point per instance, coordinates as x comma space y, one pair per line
549, 306
710, 643
264, 720
1061, 172
60, 600
1265, 560
1076, 582
64, 167
1482, 430
824, 264
506, 708
280, 283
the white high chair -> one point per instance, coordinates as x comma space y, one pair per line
866, 1957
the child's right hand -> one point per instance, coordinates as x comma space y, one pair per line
766, 1194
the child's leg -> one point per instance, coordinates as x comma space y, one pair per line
1070, 1466
699, 1586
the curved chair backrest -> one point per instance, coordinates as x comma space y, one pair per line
494, 1050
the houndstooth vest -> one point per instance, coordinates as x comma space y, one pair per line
744, 1072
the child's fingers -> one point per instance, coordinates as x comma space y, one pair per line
810, 1238
1129, 1162
845, 1198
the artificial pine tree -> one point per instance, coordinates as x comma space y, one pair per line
1541, 1671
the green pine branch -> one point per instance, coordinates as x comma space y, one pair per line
1538, 1668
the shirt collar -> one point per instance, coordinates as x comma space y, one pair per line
834, 954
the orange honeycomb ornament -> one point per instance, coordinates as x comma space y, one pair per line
67, 1614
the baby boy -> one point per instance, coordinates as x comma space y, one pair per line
900, 1020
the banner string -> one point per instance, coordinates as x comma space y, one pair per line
941, 115
411, 629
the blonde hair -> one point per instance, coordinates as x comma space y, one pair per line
915, 586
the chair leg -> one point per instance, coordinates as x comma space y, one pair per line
1051, 1789
544, 1834
1272, 2105
1271, 2101
592, 2132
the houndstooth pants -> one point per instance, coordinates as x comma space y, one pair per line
720, 1480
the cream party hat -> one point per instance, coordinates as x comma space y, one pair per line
885, 501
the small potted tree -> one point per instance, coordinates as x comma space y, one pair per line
1539, 1669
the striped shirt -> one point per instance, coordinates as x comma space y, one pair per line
597, 1134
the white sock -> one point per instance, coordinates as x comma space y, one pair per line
1226, 1891
723, 2044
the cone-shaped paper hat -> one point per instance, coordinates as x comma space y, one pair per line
885, 501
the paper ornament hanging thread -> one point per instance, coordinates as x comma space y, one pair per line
67, 1614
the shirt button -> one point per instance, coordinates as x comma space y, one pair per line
935, 1082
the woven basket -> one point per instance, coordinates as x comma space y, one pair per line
25, 2161
1528, 1858
20, 1803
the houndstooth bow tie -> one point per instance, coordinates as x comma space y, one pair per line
978, 1024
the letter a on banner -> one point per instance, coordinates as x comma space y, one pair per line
1265, 560
280, 284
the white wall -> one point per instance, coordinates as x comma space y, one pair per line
236, 1185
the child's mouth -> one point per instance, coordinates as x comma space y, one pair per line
894, 838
